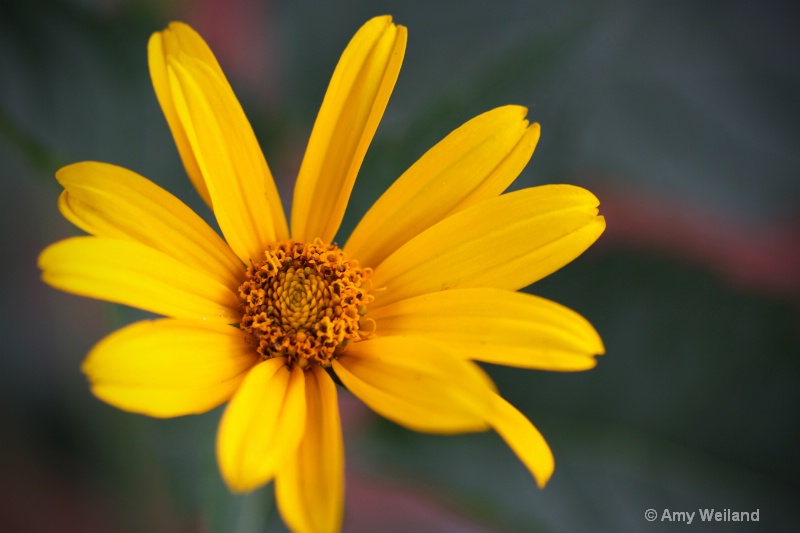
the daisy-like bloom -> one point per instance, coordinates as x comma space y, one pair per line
265, 317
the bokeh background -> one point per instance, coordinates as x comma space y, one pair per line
682, 116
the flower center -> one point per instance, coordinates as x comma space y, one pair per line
304, 302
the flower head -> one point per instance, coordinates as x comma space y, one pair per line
262, 316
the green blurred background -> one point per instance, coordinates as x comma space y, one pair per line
681, 116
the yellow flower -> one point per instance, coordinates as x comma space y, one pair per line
424, 286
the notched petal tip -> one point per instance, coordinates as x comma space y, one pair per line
601, 220
534, 132
379, 19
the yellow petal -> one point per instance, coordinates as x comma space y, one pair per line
131, 273
506, 242
417, 384
477, 161
177, 39
262, 425
110, 201
309, 486
245, 199
350, 113
169, 367
496, 326
523, 438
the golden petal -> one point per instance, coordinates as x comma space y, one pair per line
242, 190
496, 326
262, 425
477, 161
417, 384
506, 242
309, 486
130, 273
169, 367
523, 438
110, 201
351, 110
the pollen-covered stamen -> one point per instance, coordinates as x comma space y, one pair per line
304, 301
